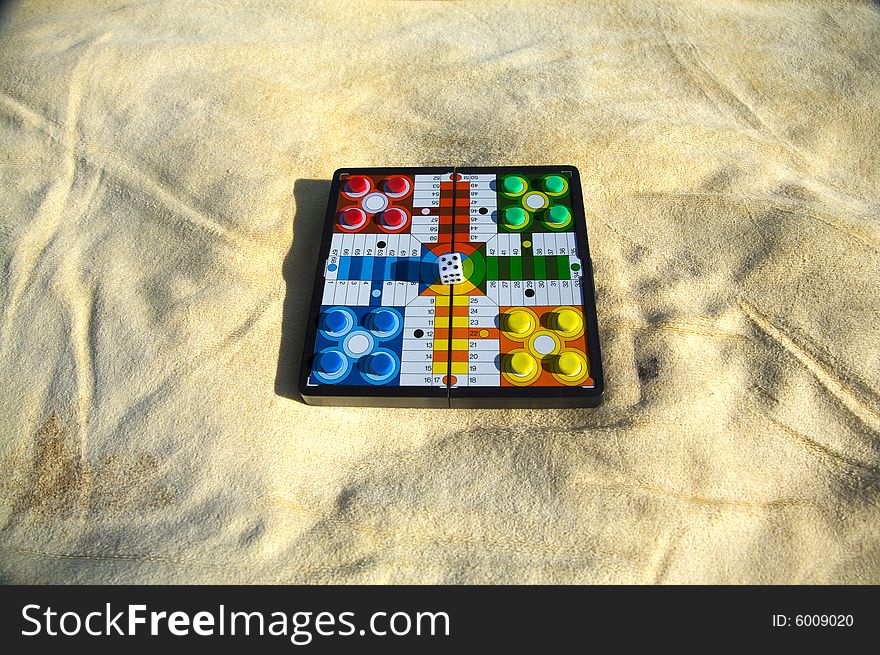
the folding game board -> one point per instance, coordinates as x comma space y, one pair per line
454, 287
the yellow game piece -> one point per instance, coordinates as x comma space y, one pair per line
569, 364
523, 364
567, 321
518, 322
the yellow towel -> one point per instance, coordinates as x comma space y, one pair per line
162, 188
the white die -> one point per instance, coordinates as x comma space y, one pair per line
450, 268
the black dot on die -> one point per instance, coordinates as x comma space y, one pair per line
381, 244
483, 210
455, 266
418, 334
530, 293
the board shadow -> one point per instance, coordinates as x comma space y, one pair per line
298, 270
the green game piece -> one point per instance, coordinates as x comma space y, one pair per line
514, 185
554, 184
515, 216
558, 215
575, 267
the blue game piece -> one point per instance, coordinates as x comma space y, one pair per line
384, 320
335, 321
381, 364
331, 362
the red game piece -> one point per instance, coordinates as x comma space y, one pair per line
351, 217
357, 184
394, 218
396, 184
